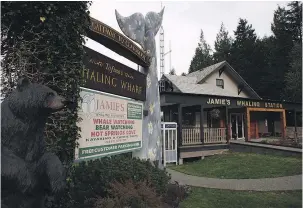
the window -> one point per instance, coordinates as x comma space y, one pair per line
220, 83
161, 85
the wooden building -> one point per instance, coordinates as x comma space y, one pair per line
215, 104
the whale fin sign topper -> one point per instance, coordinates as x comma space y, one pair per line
135, 26
143, 30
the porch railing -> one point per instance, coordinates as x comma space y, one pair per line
191, 135
214, 135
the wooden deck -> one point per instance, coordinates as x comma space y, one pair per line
190, 151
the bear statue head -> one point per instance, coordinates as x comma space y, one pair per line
32, 99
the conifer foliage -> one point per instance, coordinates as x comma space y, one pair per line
202, 57
43, 41
273, 62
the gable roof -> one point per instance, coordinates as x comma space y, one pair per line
202, 73
189, 85
194, 82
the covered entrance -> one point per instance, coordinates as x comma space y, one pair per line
237, 125
266, 122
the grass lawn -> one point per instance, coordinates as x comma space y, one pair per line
242, 166
217, 198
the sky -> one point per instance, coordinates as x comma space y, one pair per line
182, 23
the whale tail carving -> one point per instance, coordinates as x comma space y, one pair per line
153, 21
132, 26
135, 26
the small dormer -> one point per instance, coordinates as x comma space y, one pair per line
165, 85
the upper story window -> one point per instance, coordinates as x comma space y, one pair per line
220, 83
161, 85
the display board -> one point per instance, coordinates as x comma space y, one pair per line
109, 125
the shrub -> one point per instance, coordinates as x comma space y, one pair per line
131, 194
175, 194
92, 179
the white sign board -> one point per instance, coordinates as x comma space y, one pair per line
110, 125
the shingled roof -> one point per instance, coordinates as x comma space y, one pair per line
202, 73
194, 82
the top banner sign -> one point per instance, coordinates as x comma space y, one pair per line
117, 42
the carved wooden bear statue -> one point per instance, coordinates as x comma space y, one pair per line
29, 173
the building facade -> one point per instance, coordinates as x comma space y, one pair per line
215, 104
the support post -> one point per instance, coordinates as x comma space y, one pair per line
247, 132
171, 114
283, 124
180, 125
295, 117
163, 109
226, 125
201, 124
179, 133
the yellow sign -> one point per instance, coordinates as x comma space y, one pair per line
218, 101
248, 103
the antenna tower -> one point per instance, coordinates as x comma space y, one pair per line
162, 51
162, 60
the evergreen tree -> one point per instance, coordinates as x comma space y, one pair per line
287, 30
202, 57
223, 45
243, 53
294, 16
183, 74
266, 75
293, 78
172, 71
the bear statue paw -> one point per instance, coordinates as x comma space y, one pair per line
58, 186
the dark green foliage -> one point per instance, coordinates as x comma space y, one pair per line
202, 57
223, 45
295, 20
43, 41
248, 57
287, 31
243, 49
293, 78
92, 179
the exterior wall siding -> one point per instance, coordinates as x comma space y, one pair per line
230, 84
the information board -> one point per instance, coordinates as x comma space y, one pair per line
109, 125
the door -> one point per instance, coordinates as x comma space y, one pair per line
233, 123
237, 125
271, 126
240, 125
